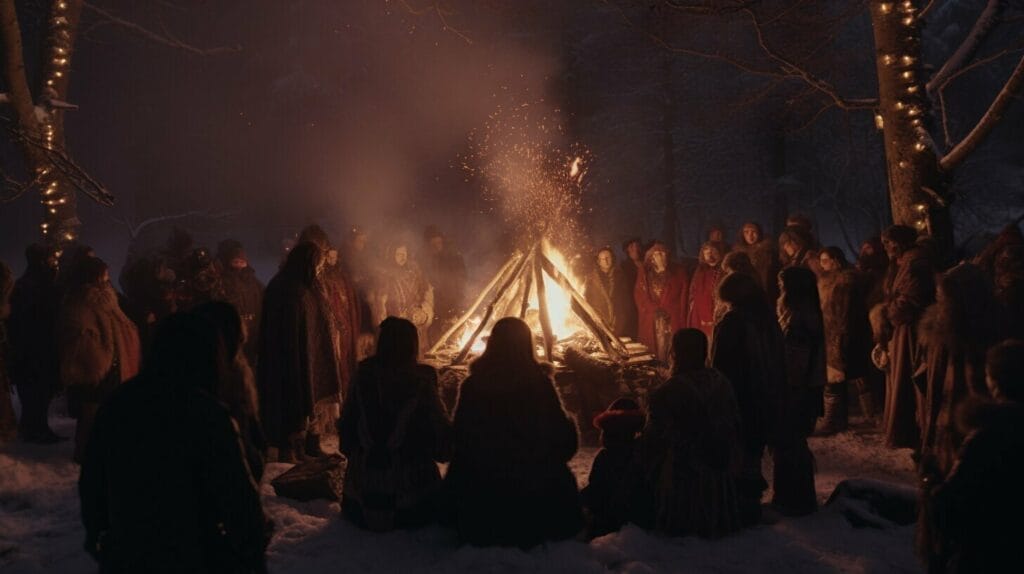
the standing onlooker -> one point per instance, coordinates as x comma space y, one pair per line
445, 270
243, 290
98, 345
406, 293
393, 430
700, 312
970, 519
631, 267
164, 486
692, 445
847, 340
955, 333
797, 248
611, 494
873, 264
910, 289
604, 290
661, 294
509, 479
749, 350
237, 387
298, 368
799, 312
8, 423
33, 338
763, 256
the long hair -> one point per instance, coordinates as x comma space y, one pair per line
738, 262
837, 255
398, 343
741, 292
510, 347
798, 294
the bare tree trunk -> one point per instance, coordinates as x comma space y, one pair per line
60, 209
916, 188
18, 93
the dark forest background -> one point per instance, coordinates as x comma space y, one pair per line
271, 115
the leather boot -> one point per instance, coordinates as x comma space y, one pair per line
836, 410
867, 403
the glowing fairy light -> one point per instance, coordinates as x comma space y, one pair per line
885, 7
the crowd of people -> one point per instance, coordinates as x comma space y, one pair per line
203, 376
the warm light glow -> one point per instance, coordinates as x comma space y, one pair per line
885, 7
879, 121
908, 75
907, 60
888, 59
919, 146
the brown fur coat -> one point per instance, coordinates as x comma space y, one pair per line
93, 332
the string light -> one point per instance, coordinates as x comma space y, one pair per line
879, 121
919, 146
888, 59
885, 7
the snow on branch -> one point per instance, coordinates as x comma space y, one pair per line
986, 21
1011, 89
164, 38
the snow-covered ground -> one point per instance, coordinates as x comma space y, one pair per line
40, 529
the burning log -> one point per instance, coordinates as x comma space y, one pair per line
542, 302
490, 310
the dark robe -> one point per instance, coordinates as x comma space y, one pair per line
34, 363
393, 429
661, 301
748, 349
630, 315
165, 488
692, 453
793, 481
911, 289
971, 520
764, 256
446, 272
604, 292
245, 292
297, 361
700, 312
509, 479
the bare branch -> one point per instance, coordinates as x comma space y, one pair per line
162, 38
135, 229
927, 8
979, 63
442, 17
792, 69
995, 112
986, 21
704, 9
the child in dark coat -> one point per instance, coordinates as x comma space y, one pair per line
610, 496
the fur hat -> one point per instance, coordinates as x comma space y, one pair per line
622, 417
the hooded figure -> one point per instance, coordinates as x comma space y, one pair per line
34, 365
614, 484
406, 293
298, 365
661, 294
99, 345
910, 289
393, 430
748, 348
873, 264
955, 334
703, 286
692, 445
509, 480
799, 312
164, 486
